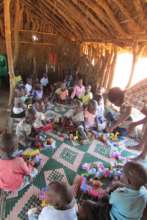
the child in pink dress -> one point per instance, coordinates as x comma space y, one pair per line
12, 170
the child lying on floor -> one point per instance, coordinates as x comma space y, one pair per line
12, 170
61, 204
127, 199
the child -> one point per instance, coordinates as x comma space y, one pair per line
47, 104
130, 200
40, 119
12, 170
38, 92
28, 86
62, 93
44, 80
24, 130
89, 210
88, 95
61, 203
100, 112
89, 120
76, 114
18, 110
78, 90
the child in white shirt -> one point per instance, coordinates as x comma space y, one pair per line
28, 87
61, 204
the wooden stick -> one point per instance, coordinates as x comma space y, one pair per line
8, 40
37, 43
36, 32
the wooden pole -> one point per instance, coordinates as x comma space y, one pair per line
136, 51
17, 23
7, 22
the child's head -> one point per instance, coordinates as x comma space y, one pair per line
99, 99
88, 88
29, 116
38, 87
46, 100
88, 210
80, 82
59, 195
63, 86
92, 107
8, 144
116, 96
29, 81
134, 175
17, 103
45, 75
78, 105
39, 105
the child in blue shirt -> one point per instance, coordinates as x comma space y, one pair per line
129, 200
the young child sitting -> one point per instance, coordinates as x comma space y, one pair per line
37, 92
76, 114
78, 90
12, 170
47, 104
44, 80
100, 112
40, 118
130, 199
24, 130
87, 96
62, 93
61, 204
28, 86
89, 120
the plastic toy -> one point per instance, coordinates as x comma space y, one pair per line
102, 138
31, 153
99, 171
43, 197
114, 136
92, 187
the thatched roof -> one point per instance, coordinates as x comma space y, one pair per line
118, 21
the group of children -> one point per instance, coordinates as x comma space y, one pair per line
125, 200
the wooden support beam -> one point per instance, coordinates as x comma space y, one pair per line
17, 26
36, 32
133, 24
83, 8
48, 15
7, 22
61, 12
112, 18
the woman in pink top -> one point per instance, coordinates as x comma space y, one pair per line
12, 170
78, 90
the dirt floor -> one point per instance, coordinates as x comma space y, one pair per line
4, 95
